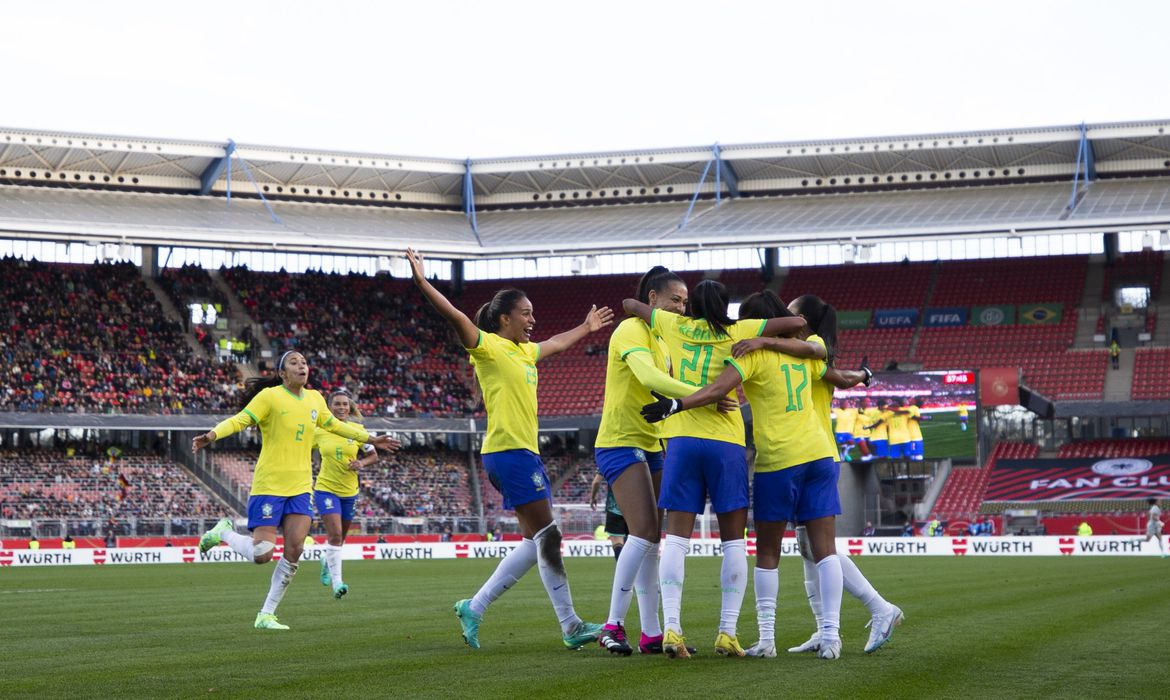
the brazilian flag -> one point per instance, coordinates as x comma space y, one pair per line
1036, 314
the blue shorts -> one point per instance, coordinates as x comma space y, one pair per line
844, 437
880, 448
330, 503
899, 450
613, 461
916, 448
797, 494
697, 468
519, 475
269, 511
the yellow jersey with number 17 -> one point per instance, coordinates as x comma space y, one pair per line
785, 426
507, 375
336, 453
697, 356
822, 396
288, 427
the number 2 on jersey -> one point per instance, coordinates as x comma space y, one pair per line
789, 370
300, 431
693, 363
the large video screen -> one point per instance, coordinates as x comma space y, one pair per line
908, 416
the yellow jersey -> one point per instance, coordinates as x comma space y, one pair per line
622, 424
899, 428
859, 430
962, 410
822, 395
698, 356
846, 417
915, 414
336, 453
507, 375
288, 428
881, 431
785, 425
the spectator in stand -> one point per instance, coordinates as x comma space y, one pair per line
869, 530
908, 529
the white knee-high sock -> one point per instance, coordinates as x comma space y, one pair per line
552, 573
333, 562
240, 544
860, 588
767, 585
733, 580
829, 572
282, 576
510, 570
629, 563
812, 588
671, 573
646, 586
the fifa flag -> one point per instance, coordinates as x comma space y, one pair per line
999, 386
993, 315
1035, 314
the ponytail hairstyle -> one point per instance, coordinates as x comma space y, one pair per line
656, 279
764, 305
822, 320
488, 317
355, 414
255, 385
708, 302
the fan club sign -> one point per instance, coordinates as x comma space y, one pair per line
1080, 479
854, 546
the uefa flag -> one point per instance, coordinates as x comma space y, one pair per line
1035, 314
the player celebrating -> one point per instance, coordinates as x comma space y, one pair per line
860, 434
914, 411
504, 358
289, 417
336, 490
879, 429
899, 431
704, 456
843, 425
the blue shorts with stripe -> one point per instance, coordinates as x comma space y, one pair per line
519, 475
797, 494
269, 511
329, 503
612, 462
697, 468
880, 448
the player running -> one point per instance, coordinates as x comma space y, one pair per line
289, 417
704, 456
336, 490
504, 357
1154, 526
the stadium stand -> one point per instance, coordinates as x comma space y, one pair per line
1110, 448
964, 488
1151, 374
1141, 267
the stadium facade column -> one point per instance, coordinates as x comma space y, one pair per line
150, 261
457, 277
771, 255
1110, 244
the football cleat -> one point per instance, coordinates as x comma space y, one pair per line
813, 644
340, 590
267, 621
215, 535
326, 580
469, 621
830, 650
653, 645
582, 634
727, 645
613, 638
881, 628
675, 646
763, 650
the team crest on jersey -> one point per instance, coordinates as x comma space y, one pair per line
266, 510
313, 415
328, 502
537, 481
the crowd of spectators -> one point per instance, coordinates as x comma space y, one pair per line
93, 339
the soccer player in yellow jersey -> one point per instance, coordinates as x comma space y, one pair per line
846, 417
963, 416
629, 456
336, 490
704, 456
289, 417
915, 418
899, 430
504, 358
860, 434
879, 429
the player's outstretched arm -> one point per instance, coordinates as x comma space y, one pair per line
847, 378
595, 320
717, 390
788, 346
784, 325
467, 331
635, 308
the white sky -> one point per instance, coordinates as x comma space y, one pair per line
500, 78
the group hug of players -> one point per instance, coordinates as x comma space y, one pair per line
671, 438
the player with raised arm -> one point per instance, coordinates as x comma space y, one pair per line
704, 456
504, 357
336, 490
289, 417
900, 446
914, 411
878, 426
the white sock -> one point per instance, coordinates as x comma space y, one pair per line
510, 570
733, 580
646, 586
812, 588
629, 563
860, 588
767, 583
671, 573
240, 544
552, 573
333, 562
282, 576
829, 573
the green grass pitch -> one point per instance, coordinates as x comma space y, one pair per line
975, 627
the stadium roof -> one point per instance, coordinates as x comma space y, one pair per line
1097, 177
